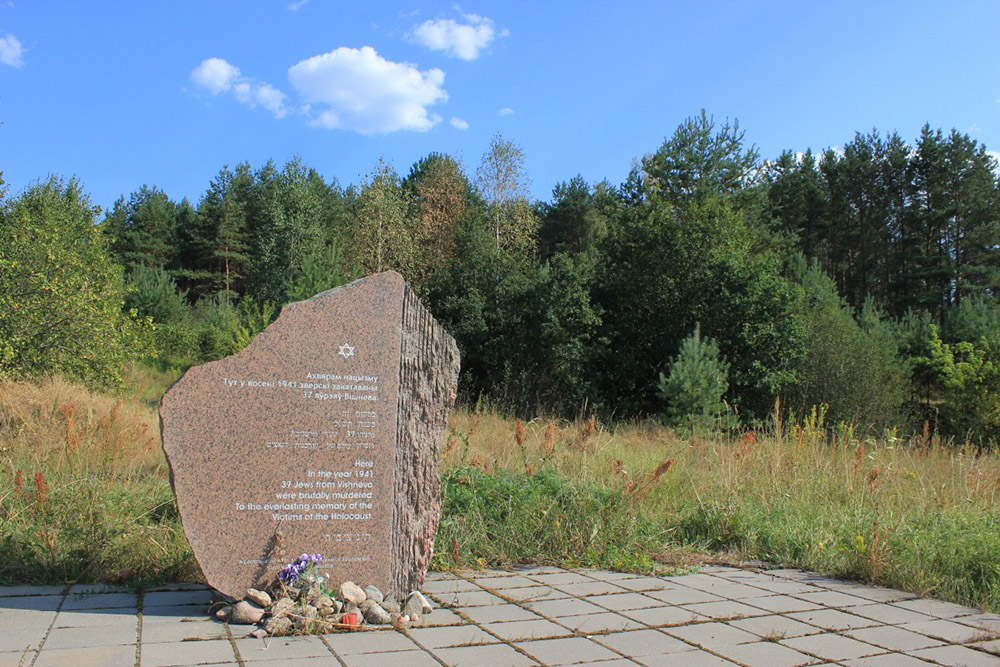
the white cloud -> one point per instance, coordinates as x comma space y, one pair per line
459, 123
217, 76
359, 90
296, 6
506, 111
11, 51
460, 40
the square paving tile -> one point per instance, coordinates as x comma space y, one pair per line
559, 578
955, 656
682, 595
477, 599
589, 588
877, 594
833, 599
84, 601
284, 649
832, 619
86, 637
936, 608
887, 660
656, 616
643, 642
32, 602
640, 584
565, 607
609, 575
523, 630
185, 653
28, 619
625, 601
400, 659
21, 591
592, 623
167, 614
514, 581
106, 656
775, 627
19, 639
782, 604
499, 613
890, 614
157, 632
693, 658
442, 617
712, 635
946, 630
446, 587
725, 609
534, 593
784, 586
766, 654
95, 618
832, 647
201, 598
453, 635
566, 651
988, 622
893, 638
494, 655
378, 641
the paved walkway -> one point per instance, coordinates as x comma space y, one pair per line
541, 615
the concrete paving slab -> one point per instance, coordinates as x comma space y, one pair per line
403, 658
766, 654
499, 613
25, 619
566, 651
988, 622
829, 646
890, 614
114, 635
441, 617
893, 638
534, 593
449, 587
949, 631
832, 619
86, 600
832, 599
158, 632
99, 656
379, 641
782, 604
588, 588
689, 659
712, 635
641, 584
503, 583
888, 660
477, 598
32, 602
177, 598
784, 586
21, 639
171, 654
599, 623
283, 649
683, 595
775, 627
957, 656
725, 609
559, 578
658, 616
638, 643
95, 618
21, 591
453, 635
937, 608
494, 655
524, 630
624, 601
564, 607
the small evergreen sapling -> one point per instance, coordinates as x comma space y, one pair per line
697, 382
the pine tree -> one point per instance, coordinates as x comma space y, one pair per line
697, 382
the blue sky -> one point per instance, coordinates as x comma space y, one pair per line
121, 94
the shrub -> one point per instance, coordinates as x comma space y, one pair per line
697, 382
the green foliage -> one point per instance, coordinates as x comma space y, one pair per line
509, 518
142, 231
697, 382
573, 222
852, 369
383, 239
322, 270
152, 293
504, 185
60, 293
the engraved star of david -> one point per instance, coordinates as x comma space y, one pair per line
346, 350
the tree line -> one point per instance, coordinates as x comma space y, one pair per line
708, 286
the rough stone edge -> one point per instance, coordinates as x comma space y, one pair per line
428, 379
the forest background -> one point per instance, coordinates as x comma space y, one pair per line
709, 288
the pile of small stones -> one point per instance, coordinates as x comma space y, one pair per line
310, 609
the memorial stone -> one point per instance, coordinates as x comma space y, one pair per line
321, 436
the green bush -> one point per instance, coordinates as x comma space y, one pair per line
697, 382
61, 294
153, 293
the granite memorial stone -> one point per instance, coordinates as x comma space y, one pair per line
321, 436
